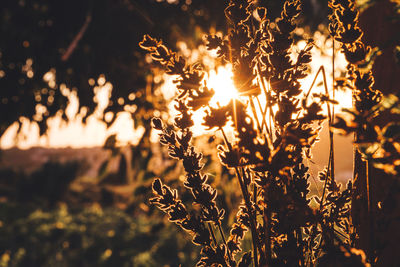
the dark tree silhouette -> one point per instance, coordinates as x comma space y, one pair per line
80, 40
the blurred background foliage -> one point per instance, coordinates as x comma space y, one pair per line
89, 237
57, 214
81, 40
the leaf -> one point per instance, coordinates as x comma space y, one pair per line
157, 186
157, 123
148, 43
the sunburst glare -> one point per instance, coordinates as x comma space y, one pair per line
221, 81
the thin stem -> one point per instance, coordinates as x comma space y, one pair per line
315, 79
212, 234
77, 38
253, 109
264, 88
331, 163
248, 205
370, 211
333, 112
224, 240
215, 240
341, 234
367, 186
333, 73
263, 114
222, 234
261, 78
252, 221
300, 242
227, 143
254, 193
267, 227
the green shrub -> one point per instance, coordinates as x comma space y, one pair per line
89, 237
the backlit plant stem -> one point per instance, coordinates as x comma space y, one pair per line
246, 198
212, 234
267, 229
331, 162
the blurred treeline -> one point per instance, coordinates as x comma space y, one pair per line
80, 40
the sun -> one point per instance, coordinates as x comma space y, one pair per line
221, 80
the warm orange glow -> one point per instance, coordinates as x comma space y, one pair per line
74, 133
322, 56
222, 83
94, 133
